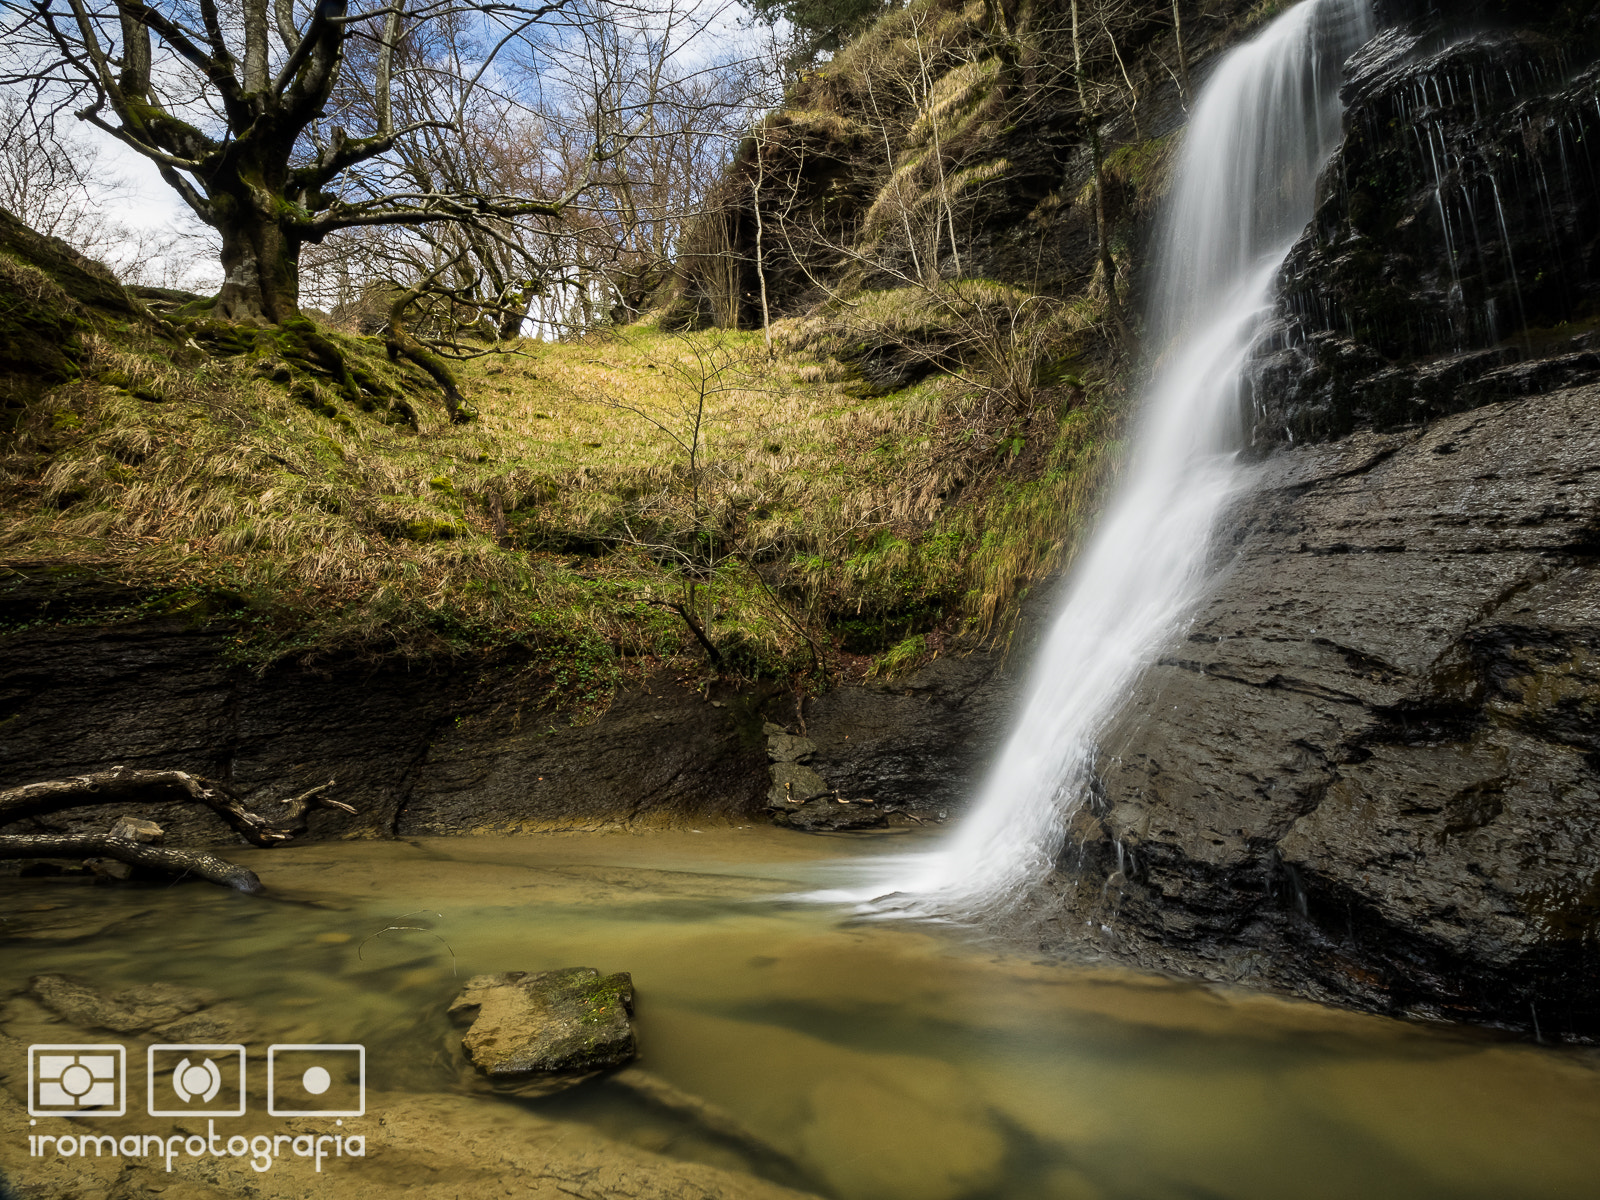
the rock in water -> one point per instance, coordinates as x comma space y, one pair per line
826, 814
132, 829
539, 1028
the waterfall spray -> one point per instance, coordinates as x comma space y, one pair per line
1267, 122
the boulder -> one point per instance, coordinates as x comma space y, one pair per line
552, 1028
786, 748
826, 814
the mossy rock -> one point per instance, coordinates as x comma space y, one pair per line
311, 395
548, 1030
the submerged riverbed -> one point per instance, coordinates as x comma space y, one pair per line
876, 1061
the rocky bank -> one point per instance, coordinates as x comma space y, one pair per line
466, 746
1367, 770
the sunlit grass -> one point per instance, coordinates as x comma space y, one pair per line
603, 482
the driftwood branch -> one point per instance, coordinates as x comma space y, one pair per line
138, 854
121, 785
268, 824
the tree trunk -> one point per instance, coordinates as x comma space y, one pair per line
158, 858
1108, 264
1183, 54
262, 265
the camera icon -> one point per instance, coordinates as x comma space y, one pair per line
77, 1081
195, 1080
316, 1080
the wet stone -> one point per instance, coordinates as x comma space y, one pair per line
794, 784
132, 829
552, 1028
786, 748
133, 1010
827, 814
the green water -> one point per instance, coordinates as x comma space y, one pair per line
878, 1062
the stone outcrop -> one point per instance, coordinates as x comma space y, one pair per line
1369, 770
451, 747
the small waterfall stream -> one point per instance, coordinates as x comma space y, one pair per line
1266, 123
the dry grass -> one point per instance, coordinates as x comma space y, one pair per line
568, 517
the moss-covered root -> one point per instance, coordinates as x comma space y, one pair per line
401, 344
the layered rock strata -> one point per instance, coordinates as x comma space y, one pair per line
1369, 769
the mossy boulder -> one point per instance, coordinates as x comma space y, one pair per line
548, 1030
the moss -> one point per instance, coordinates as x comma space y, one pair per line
431, 531
902, 657
604, 997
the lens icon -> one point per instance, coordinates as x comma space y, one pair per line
316, 1080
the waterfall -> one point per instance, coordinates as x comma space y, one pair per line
1265, 125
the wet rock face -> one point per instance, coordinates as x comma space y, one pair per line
551, 1029
460, 748
1370, 769
921, 742
1455, 257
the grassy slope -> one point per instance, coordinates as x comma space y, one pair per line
822, 523
559, 520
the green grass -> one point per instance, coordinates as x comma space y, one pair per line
818, 521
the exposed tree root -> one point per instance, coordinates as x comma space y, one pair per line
400, 344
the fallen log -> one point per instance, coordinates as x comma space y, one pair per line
282, 821
138, 854
121, 784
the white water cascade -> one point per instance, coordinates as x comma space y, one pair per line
1266, 123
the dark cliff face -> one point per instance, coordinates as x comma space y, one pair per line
1455, 257
1369, 770
447, 747
416, 748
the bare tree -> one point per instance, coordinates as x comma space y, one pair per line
1102, 225
232, 110
54, 184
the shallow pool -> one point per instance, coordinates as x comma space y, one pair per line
872, 1061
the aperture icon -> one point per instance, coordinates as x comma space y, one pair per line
76, 1081
196, 1080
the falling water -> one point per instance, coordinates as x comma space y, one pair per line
1266, 124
